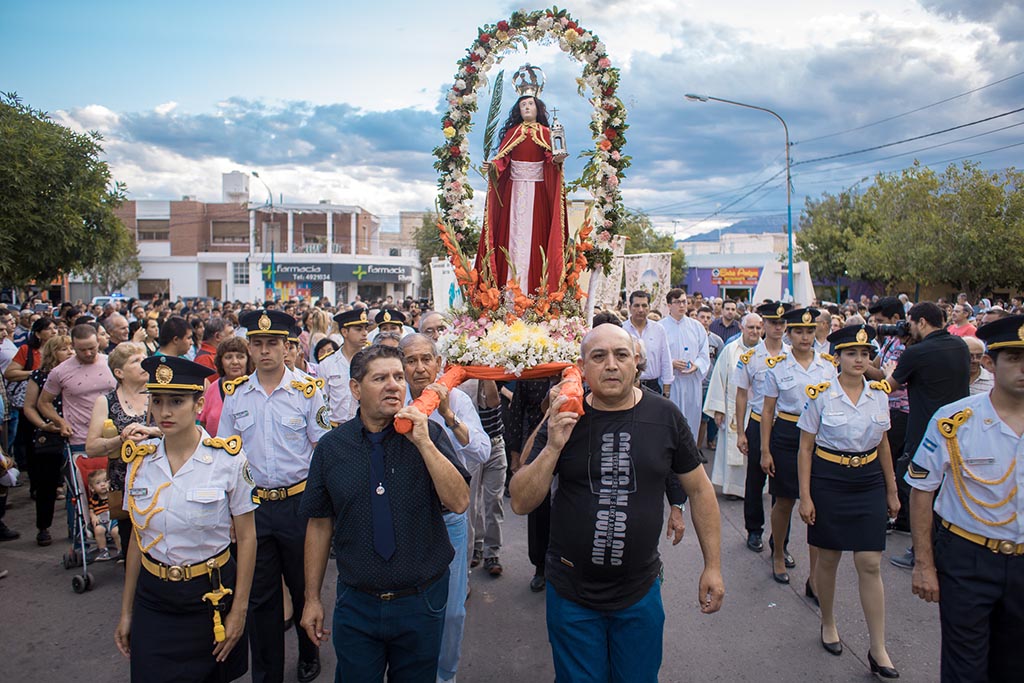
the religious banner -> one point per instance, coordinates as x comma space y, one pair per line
606, 289
445, 290
651, 273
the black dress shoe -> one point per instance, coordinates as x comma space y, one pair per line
7, 534
537, 584
308, 671
754, 542
809, 592
780, 578
882, 671
835, 648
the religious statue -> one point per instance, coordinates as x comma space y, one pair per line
525, 218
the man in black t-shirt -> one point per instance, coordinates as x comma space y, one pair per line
936, 371
604, 613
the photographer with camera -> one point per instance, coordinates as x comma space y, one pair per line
889, 320
935, 370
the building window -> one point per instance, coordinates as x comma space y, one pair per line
229, 232
150, 288
154, 230
240, 273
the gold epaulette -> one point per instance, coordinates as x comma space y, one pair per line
816, 390
131, 450
231, 445
772, 361
231, 384
746, 356
830, 358
881, 385
949, 425
309, 387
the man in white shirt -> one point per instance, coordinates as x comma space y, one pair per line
333, 369
691, 361
981, 379
659, 374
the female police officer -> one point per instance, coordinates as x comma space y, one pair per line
185, 599
847, 485
788, 375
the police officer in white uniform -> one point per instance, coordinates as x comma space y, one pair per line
183, 613
785, 385
333, 369
848, 486
748, 378
281, 415
970, 554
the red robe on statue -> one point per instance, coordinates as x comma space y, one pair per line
525, 211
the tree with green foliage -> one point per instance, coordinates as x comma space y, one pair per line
57, 199
642, 238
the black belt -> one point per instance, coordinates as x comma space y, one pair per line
387, 596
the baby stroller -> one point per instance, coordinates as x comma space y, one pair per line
76, 474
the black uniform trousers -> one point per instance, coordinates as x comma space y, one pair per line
981, 608
280, 541
753, 492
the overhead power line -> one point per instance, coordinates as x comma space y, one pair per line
912, 111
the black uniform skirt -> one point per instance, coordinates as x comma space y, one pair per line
172, 632
784, 444
849, 504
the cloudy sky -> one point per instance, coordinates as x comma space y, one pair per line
342, 100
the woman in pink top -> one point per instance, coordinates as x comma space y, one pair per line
961, 325
232, 362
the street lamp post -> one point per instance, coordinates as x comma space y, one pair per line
270, 203
789, 203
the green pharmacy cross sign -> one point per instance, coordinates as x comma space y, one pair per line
360, 273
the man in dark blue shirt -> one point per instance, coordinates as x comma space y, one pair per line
380, 496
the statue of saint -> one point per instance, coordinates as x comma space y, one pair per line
525, 211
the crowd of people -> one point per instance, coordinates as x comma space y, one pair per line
249, 443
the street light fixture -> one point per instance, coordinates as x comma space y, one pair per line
273, 266
789, 205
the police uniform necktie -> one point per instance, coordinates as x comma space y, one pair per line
380, 506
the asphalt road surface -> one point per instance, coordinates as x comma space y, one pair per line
764, 632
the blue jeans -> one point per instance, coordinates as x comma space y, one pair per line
455, 614
606, 647
401, 636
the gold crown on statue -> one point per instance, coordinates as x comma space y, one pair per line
528, 80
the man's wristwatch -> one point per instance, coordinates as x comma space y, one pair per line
681, 506
454, 424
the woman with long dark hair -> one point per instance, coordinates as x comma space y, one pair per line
27, 359
524, 221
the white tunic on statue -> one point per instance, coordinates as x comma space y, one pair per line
688, 341
730, 467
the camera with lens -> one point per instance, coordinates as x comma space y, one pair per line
900, 329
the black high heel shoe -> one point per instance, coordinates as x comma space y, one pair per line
809, 592
882, 671
835, 648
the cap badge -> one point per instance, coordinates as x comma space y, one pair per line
780, 310
363, 318
387, 317
264, 322
807, 317
164, 374
862, 336
1020, 332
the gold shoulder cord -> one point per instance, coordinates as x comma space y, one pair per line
948, 428
148, 513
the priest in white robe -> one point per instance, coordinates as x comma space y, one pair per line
729, 470
691, 360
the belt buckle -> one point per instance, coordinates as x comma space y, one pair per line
175, 573
386, 597
274, 494
1007, 548
855, 461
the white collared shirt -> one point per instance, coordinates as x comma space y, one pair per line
788, 381
659, 359
478, 449
750, 376
335, 372
989, 449
279, 431
185, 518
687, 341
843, 426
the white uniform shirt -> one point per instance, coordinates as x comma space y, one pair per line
478, 450
750, 376
185, 518
841, 425
989, 449
279, 431
659, 359
788, 381
334, 370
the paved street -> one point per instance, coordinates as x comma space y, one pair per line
765, 631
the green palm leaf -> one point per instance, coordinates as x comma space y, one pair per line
493, 115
